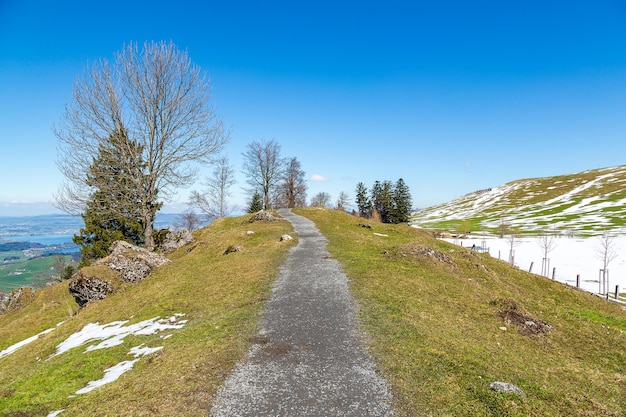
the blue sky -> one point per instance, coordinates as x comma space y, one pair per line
451, 96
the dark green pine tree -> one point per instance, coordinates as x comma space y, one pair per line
256, 204
402, 202
112, 213
363, 202
382, 200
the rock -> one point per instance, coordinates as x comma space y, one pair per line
506, 388
232, 248
86, 287
175, 240
249, 232
285, 238
16, 299
367, 226
261, 216
133, 263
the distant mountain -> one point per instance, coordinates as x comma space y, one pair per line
585, 203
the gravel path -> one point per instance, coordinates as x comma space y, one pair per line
308, 359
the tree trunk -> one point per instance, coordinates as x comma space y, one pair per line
147, 226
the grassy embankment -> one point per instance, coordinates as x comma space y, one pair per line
221, 295
436, 328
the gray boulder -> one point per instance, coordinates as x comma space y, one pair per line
176, 240
85, 287
17, 299
133, 263
506, 388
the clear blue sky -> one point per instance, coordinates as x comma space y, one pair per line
451, 96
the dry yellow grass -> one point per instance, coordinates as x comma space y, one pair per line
221, 295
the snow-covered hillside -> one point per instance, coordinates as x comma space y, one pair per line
586, 203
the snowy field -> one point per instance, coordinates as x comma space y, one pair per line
569, 257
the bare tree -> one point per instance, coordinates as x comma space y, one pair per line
606, 252
343, 200
292, 189
189, 220
321, 199
160, 100
512, 240
214, 200
547, 243
263, 167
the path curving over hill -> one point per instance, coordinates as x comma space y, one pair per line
308, 359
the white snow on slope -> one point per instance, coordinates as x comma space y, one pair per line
569, 258
582, 206
24, 342
113, 334
113, 373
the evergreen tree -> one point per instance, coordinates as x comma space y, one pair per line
382, 200
401, 202
111, 213
363, 201
256, 204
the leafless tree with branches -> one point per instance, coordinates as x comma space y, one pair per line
292, 189
263, 167
606, 253
547, 243
213, 202
159, 99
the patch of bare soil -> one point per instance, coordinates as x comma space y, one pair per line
514, 314
418, 251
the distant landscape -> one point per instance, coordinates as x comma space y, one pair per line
28, 246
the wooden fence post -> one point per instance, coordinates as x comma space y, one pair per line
617, 292
531, 267
553, 273
578, 281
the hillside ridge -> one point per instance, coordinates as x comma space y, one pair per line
584, 203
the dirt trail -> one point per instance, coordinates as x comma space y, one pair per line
308, 359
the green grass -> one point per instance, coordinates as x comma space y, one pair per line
435, 330
520, 200
27, 272
221, 295
433, 325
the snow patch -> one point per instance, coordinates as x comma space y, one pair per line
113, 334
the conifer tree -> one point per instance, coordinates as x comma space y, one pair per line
401, 202
363, 202
112, 212
256, 204
382, 200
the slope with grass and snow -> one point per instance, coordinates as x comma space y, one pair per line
586, 203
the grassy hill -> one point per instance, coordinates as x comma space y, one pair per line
585, 203
443, 323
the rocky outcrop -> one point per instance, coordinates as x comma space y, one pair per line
125, 263
92, 283
132, 262
175, 240
261, 216
17, 299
